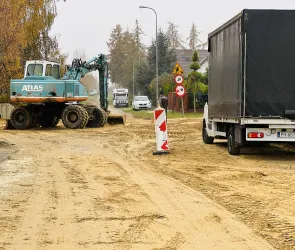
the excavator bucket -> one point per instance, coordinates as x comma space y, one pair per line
114, 118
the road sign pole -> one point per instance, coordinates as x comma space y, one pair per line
179, 79
182, 105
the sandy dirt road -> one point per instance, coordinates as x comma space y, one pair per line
103, 189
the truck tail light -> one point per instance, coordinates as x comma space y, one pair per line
255, 135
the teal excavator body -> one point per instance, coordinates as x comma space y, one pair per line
42, 89
44, 100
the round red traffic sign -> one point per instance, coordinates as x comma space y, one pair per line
179, 79
180, 91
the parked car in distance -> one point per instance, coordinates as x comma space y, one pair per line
141, 102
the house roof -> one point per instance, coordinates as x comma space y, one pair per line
205, 59
184, 58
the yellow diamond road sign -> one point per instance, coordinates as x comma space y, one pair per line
177, 70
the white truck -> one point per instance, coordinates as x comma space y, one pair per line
120, 98
251, 80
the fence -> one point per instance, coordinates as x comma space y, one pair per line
5, 110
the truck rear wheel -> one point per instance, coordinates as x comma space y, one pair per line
97, 118
74, 117
21, 118
232, 146
206, 138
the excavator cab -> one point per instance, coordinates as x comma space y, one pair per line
42, 68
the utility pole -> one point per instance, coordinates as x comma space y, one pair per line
157, 77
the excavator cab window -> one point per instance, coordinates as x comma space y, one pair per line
48, 71
35, 70
56, 71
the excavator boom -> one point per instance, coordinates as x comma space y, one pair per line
79, 69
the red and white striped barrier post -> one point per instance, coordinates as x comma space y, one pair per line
161, 131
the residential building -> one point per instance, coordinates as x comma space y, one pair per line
184, 58
204, 65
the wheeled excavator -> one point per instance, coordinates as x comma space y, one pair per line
44, 100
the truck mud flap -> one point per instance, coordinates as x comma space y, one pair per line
116, 119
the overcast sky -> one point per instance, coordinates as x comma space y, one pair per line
87, 24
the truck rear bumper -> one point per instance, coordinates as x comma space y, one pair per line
271, 134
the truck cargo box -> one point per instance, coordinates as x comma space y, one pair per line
252, 65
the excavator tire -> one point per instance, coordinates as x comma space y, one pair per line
105, 116
75, 117
48, 121
85, 113
21, 118
97, 119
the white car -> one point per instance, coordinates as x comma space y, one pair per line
141, 102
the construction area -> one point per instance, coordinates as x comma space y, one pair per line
128, 151
101, 188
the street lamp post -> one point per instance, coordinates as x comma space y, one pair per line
157, 77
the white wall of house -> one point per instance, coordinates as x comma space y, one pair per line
204, 66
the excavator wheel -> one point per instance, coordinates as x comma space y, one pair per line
75, 117
97, 118
105, 116
21, 118
86, 115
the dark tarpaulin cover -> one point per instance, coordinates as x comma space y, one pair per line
270, 84
225, 72
270, 67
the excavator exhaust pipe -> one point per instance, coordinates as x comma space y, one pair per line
116, 119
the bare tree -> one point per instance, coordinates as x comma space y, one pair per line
174, 37
194, 38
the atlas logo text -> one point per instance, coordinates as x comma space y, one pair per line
36, 88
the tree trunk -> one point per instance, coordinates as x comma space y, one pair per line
195, 102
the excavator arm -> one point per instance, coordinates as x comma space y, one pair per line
79, 69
